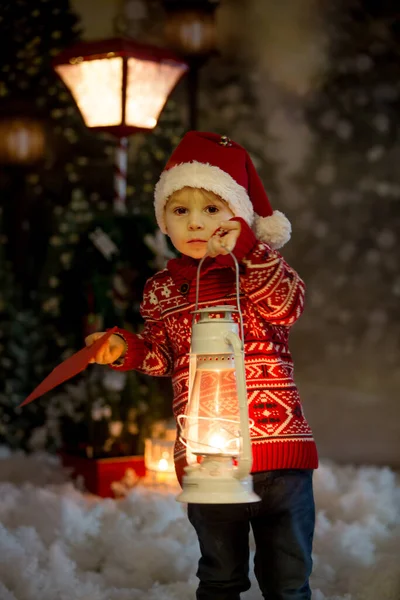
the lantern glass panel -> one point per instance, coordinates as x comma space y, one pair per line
96, 86
148, 87
158, 455
212, 423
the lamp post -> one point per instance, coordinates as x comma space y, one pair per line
23, 146
215, 425
120, 87
190, 29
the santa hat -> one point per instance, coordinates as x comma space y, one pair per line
215, 163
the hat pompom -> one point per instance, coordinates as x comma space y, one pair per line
275, 230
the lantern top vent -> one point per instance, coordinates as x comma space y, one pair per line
224, 310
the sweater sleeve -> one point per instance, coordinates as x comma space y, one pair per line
148, 352
268, 281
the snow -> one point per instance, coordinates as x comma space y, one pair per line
57, 543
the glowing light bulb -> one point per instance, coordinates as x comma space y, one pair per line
162, 464
217, 441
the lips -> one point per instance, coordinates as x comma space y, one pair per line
197, 241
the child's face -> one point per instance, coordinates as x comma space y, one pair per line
191, 216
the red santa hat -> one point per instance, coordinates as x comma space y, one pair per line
215, 163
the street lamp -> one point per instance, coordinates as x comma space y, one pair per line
215, 425
190, 29
120, 87
22, 140
23, 146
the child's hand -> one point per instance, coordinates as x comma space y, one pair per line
224, 238
112, 349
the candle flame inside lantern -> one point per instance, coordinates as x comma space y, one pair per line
163, 464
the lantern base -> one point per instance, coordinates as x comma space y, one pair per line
208, 483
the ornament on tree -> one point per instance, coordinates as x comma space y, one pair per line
158, 245
103, 243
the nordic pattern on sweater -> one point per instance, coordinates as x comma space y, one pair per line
272, 299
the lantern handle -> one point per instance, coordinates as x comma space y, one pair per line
237, 283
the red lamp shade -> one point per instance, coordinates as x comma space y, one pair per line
119, 85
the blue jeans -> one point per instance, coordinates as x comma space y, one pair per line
283, 527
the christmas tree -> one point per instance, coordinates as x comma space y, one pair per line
32, 34
70, 283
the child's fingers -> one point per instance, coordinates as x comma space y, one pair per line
224, 238
214, 246
90, 339
230, 225
228, 242
108, 353
115, 353
224, 246
102, 355
217, 245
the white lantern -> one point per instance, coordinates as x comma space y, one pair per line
215, 425
159, 455
159, 460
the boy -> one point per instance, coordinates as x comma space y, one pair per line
208, 199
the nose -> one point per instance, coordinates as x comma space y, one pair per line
195, 222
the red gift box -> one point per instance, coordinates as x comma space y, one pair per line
99, 473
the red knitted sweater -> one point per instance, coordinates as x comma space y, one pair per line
272, 298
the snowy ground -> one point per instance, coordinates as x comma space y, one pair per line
59, 544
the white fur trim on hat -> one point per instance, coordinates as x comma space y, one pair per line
275, 230
206, 176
